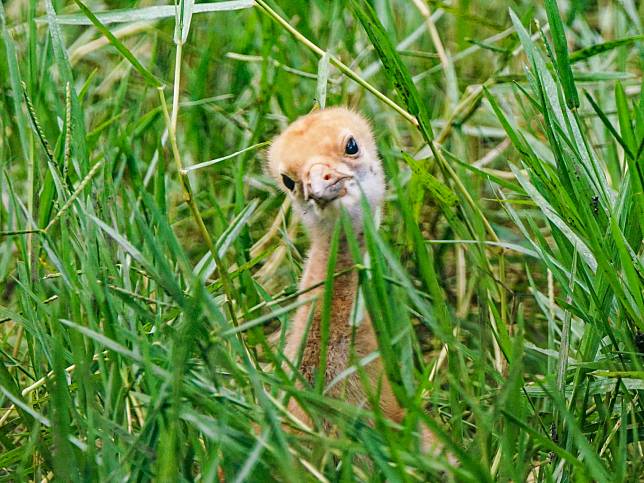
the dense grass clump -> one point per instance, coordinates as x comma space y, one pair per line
141, 283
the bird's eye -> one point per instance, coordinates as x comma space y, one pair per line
352, 147
288, 182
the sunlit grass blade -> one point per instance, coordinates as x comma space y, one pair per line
148, 13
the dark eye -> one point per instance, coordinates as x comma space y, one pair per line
288, 182
352, 147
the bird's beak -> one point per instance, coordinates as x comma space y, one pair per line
324, 183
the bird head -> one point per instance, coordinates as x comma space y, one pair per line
327, 161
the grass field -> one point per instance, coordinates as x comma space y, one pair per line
146, 257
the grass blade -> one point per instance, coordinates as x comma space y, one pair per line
396, 70
118, 45
561, 52
148, 13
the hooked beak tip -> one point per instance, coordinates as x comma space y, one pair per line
330, 192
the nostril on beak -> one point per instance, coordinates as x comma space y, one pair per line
325, 183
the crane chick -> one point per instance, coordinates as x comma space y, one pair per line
326, 161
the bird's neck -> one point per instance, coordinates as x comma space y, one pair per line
345, 283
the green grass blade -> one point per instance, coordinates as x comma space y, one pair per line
396, 70
561, 52
118, 45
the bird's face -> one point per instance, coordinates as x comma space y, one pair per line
327, 161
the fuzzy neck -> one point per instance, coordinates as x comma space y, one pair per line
345, 286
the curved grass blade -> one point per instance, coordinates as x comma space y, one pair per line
593, 50
125, 52
396, 71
